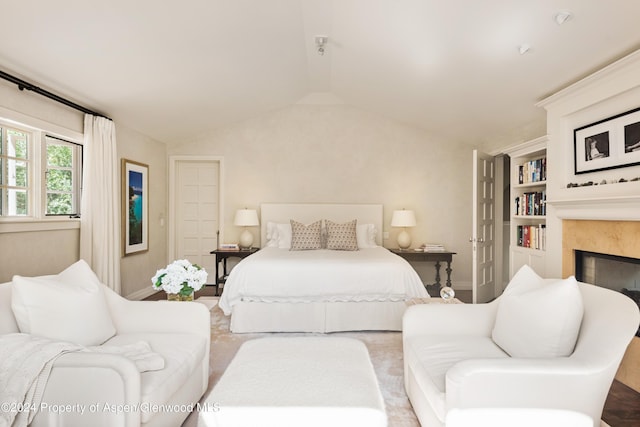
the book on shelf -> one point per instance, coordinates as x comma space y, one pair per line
532, 236
533, 171
531, 204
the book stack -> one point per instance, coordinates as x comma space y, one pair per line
229, 247
433, 247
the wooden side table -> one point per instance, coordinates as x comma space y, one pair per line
222, 256
437, 257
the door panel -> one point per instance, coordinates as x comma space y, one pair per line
483, 233
197, 209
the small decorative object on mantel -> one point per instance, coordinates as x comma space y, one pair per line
180, 280
603, 182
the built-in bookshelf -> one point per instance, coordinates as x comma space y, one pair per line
527, 225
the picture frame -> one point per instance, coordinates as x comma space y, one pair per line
610, 143
135, 207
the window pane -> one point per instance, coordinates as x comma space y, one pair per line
58, 204
17, 202
59, 180
17, 144
1, 141
59, 155
17, 173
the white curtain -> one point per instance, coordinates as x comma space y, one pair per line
100, 217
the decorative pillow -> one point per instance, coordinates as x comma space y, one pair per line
341, 237
305, 237
538, 317
68, 307
366, 236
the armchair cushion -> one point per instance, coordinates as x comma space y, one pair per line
70, 306
537, 317
436, 354
182, 354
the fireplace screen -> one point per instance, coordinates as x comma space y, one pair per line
614, 272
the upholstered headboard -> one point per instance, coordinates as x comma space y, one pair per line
310, 212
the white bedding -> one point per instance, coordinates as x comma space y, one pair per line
280, 275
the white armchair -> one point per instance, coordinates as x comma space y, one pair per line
452, 363
110, 386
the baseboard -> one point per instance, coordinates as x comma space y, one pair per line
141, 294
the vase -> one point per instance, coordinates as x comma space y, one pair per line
180, 297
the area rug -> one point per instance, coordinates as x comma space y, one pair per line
385, 350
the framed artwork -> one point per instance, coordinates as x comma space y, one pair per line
135, 207
608, 144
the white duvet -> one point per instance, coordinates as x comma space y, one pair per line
280, 275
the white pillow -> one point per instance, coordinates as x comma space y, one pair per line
284, 235
366, 236
538, 317
68, 307
272, 235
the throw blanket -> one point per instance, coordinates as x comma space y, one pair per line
25, 365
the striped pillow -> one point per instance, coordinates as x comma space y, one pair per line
341, 237
305, 237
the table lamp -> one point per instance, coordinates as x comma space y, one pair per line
404, 218
246, 218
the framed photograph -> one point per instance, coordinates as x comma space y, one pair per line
135, 207
608, 144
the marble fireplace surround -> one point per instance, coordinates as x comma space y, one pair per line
620, 238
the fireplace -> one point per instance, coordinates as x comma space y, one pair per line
618, 273
620, 238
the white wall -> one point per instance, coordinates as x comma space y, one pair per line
340, 154
137, 269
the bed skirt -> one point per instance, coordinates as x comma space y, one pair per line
317, 317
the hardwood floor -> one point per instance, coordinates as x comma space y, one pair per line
621, 409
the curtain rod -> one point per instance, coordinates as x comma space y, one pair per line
22, 85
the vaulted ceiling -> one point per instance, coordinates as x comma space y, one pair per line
172, 69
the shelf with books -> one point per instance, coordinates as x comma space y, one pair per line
528, 183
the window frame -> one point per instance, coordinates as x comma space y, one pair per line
76, 170
37, 219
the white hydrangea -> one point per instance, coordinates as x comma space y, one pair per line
179, 276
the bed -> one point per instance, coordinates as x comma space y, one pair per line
320, 290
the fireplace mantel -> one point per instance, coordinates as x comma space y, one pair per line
608, 202
616, 208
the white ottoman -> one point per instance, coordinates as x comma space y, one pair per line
297, 381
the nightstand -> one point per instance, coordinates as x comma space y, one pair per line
222, 256
437, 257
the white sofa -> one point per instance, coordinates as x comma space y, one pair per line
178, 331
451, 362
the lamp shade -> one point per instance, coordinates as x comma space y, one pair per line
403, 218
246, 218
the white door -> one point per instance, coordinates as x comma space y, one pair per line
195, 204
483, 228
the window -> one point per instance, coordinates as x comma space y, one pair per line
40, 174
15, 168
62, 177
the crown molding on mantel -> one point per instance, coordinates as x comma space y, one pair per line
616, 208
